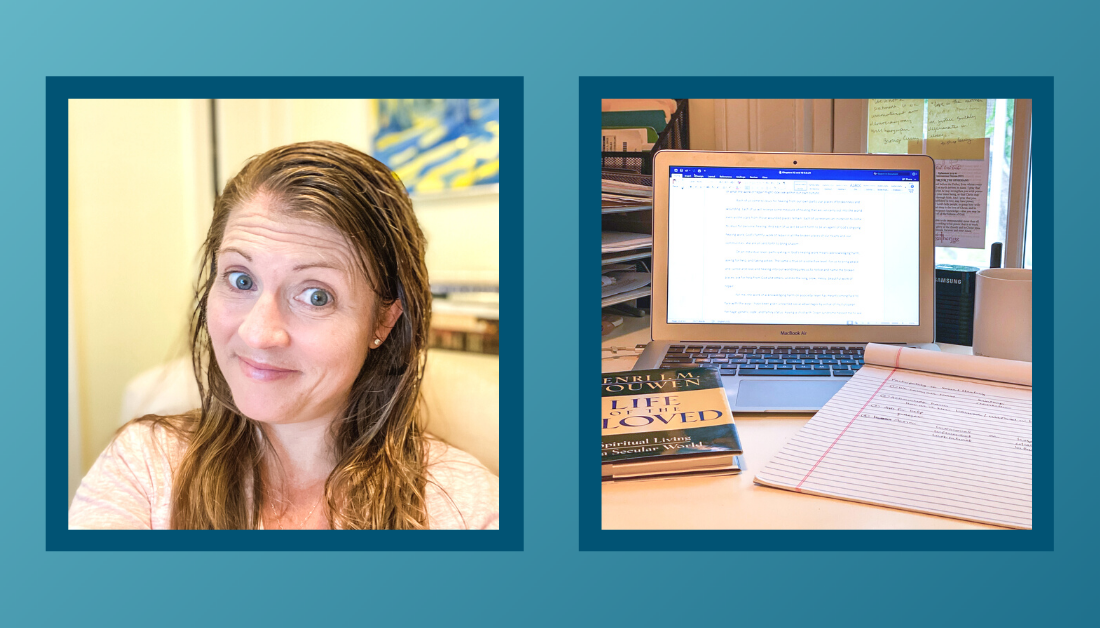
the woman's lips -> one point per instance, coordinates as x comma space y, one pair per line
262, 372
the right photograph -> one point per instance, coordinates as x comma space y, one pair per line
816, 314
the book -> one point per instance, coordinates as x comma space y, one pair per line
628, 139
920, 430
667, 105
650, 136
634, 119
667, 422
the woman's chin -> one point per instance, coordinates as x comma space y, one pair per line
261, 410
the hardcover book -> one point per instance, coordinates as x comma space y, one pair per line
667, 422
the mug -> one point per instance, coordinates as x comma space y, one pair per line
1002, 314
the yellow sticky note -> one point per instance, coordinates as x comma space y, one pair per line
949, 149
891, 122
956, 118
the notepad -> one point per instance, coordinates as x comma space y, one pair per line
919, 430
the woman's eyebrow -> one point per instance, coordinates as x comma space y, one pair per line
231, 249
338, 267
318, 264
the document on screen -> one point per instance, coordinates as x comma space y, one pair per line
815, 252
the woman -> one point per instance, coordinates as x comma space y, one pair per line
311, 326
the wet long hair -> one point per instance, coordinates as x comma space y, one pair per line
380, 476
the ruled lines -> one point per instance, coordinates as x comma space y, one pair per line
917, 441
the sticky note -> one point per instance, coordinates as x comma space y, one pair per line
956, 118
891, 122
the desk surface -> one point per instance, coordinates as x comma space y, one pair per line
734, 502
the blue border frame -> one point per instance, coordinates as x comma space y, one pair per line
509, 90
1041, 91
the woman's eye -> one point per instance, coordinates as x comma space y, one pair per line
240, 281
317, 297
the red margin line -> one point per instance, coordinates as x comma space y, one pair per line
804, 478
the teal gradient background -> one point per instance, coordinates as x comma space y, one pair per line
551, 582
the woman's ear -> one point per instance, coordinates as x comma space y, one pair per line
388, 320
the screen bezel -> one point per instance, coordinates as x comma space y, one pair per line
661, 329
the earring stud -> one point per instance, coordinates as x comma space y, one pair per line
377, 341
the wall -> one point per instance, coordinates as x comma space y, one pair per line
249, 127
701, 124
138, 189
463, 234
781, 125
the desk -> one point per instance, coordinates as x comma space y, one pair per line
734, 502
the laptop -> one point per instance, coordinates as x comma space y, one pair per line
778, 268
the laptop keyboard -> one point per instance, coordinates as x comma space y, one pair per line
803, 361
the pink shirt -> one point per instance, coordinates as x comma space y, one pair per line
130, 485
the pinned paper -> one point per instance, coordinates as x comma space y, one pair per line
962, 176
892, 122
957, 118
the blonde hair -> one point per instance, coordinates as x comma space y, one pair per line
380, 477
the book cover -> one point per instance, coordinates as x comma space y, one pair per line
680, 417
667, 105
634, 119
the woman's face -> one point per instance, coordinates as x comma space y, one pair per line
290, 315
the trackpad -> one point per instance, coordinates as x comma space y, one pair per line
762, 393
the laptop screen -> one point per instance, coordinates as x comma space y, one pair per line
793, 246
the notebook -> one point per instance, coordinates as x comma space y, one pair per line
931, 432
780, 267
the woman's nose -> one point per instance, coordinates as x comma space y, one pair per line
263, 327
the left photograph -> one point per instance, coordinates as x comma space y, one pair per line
283, 314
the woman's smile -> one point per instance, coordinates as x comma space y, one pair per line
262, 372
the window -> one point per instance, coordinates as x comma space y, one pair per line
1000, 127
1027, 233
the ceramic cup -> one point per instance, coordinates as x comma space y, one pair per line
1002, 314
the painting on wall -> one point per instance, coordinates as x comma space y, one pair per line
439, 144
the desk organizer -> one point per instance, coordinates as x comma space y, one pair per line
674, 136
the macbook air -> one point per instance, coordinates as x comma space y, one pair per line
778, 268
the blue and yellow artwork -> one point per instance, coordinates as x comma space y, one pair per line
439, 144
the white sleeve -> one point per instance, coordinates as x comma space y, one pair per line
119, 492
461, 494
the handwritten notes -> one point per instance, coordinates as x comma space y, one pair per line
917, 441
956, 140
892, 122
959, 118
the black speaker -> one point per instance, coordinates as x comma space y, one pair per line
955, 287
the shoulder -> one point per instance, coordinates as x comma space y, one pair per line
461, 492
156, 443
129, 485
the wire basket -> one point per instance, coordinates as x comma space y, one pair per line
674, 136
